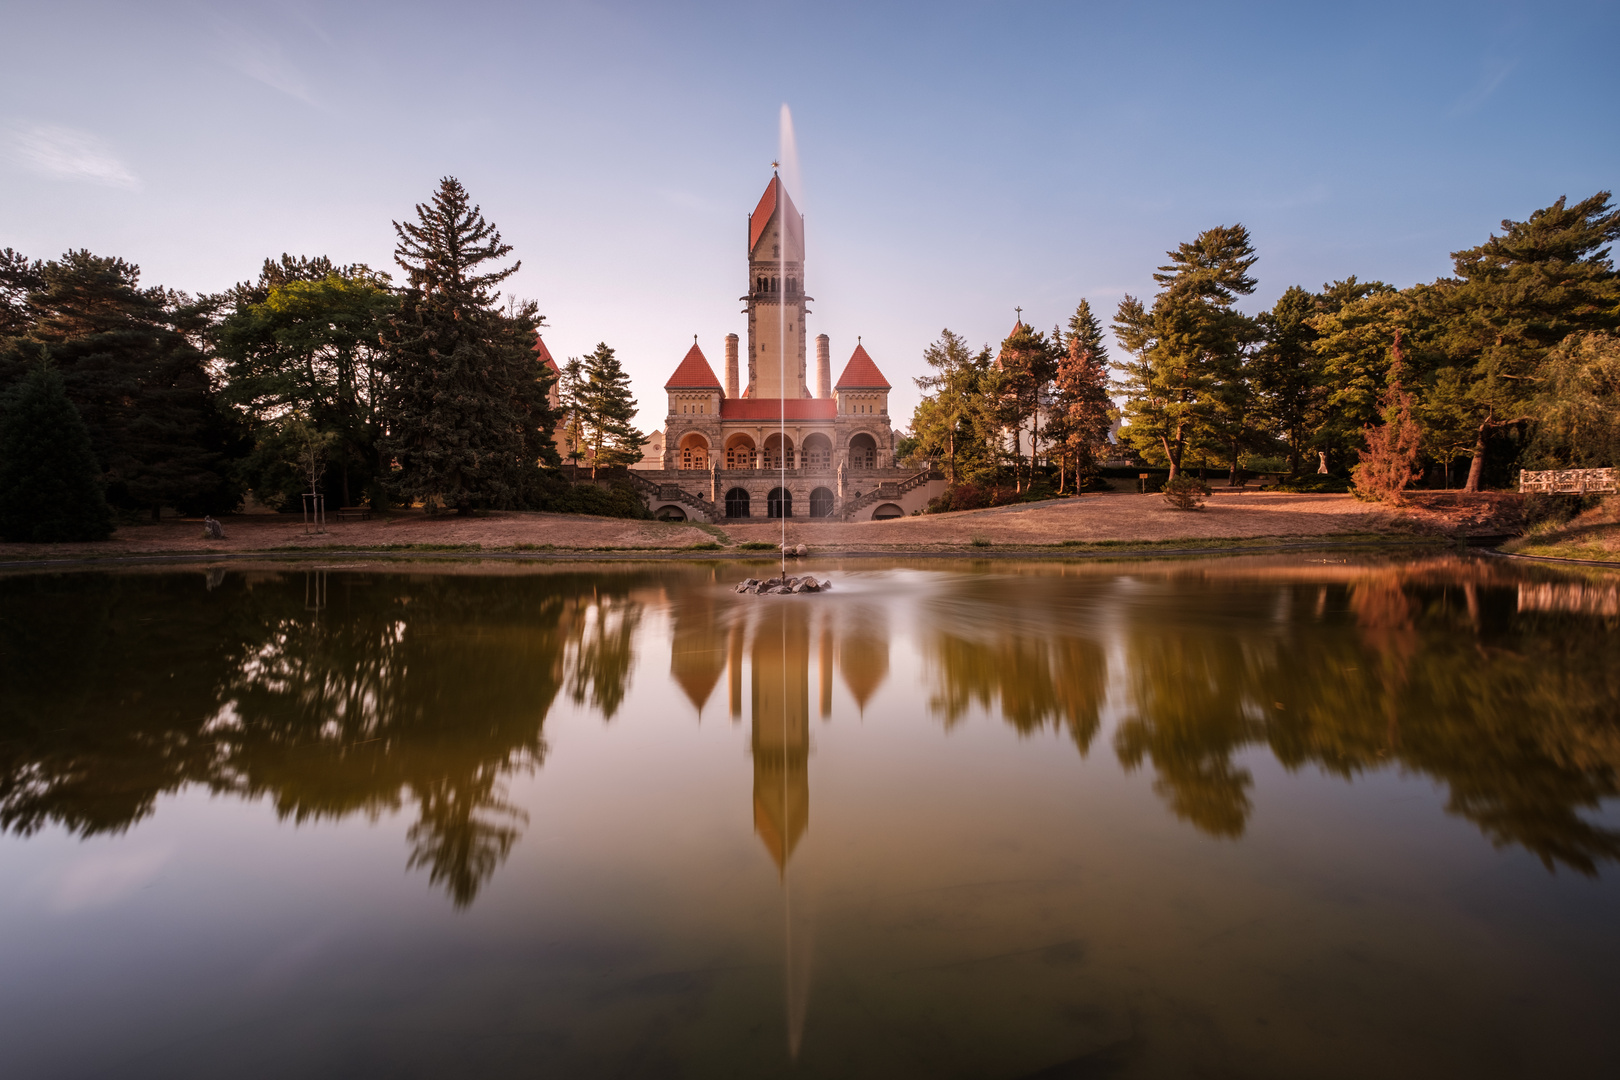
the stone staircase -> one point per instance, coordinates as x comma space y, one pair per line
698, 508
887, 491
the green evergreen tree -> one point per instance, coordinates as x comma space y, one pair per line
50, 484
1288, 373
1518, 295
464, 408
956, 421
570, 385
607, 409
1354, 323
1025, 365
1188, 349
142, 388
19, 278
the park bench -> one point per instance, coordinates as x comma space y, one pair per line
354, 513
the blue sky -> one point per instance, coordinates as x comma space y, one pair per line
956, 159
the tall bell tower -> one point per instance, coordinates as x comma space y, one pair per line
776, 298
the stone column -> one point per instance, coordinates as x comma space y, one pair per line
823, 367
731, 366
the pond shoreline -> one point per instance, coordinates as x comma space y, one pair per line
1056, 552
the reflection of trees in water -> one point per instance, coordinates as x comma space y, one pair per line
1430, 668
1032, 657
427, 689
1435, 667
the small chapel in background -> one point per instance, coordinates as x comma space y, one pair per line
724, 446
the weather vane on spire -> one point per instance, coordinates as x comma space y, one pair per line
1020, 315
776, 165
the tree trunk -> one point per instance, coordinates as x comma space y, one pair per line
1476, 468
1232, 478
1293, 458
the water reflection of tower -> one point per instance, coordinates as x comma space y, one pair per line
780, 741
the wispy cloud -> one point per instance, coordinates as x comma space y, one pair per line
1495, 71
260, 58
71, 155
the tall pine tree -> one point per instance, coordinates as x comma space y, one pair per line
1081, 412
465, 412
1518, 295
606, 409
50, 484
1188, 348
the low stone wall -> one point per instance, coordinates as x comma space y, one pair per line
1571, 481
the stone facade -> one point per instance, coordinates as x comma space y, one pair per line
829, 447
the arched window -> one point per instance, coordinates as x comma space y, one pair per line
817, 453
740, 453
887, 512
862, 452
737, 503
694, 452
779, 503
773, 451
821, 503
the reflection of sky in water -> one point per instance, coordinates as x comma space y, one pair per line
1251, 815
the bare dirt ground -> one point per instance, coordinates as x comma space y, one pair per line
1113, 518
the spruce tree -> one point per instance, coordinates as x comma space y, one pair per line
607, 409
465, 411
1081, 412
50, 485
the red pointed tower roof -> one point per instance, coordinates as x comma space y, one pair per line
775, 194
861, 373
542, 353
693, 373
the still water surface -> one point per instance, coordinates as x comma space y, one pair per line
1260, 817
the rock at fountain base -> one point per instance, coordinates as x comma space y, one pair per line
781, 586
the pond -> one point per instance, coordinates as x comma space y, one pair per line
1328, 815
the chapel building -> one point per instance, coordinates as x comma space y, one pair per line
725, 446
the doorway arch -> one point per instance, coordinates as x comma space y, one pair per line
779, 503
737, 503
821, 503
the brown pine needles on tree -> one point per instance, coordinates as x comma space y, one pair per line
1390, 461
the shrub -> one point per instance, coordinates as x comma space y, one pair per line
980, 541
758, 545
610, 498
1186, 492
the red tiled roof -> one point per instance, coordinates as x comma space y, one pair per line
543, 353
693, 372
861, 372
776, 408
761, 216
